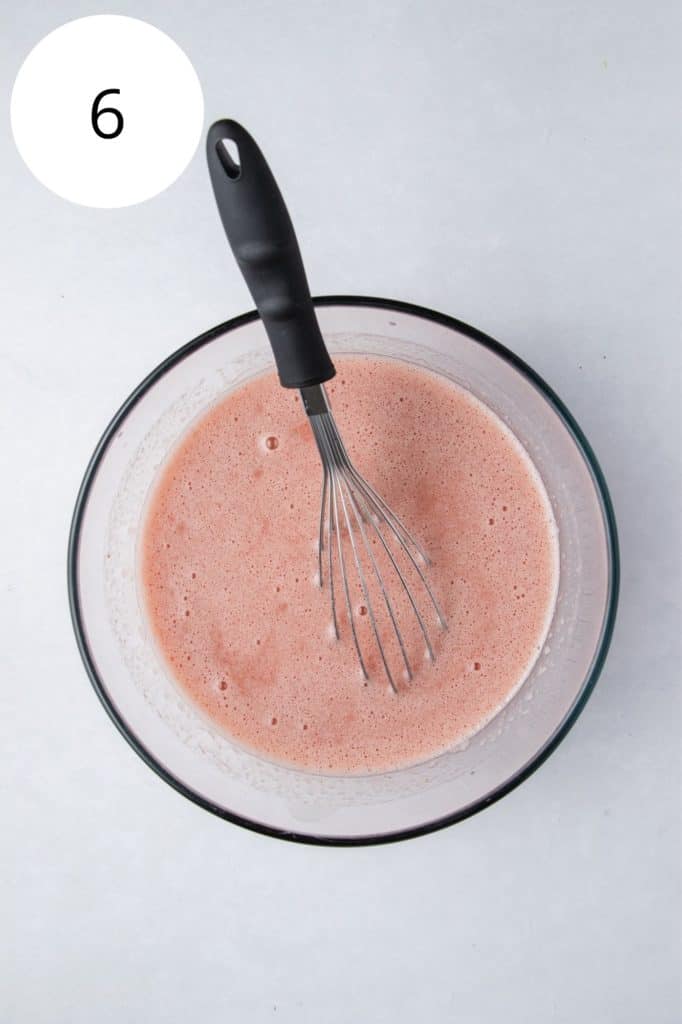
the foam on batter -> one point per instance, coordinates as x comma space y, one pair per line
228, 568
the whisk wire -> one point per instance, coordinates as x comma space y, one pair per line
331, 440
406, 589
349, 501
365, 591
382, 587
334, 525
320, 542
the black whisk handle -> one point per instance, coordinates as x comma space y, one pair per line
262, 238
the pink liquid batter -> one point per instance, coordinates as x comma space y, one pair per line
228, 569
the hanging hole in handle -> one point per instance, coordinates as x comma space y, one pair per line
228, 154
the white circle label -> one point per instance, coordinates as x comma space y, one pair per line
107, 111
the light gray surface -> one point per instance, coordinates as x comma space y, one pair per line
514, 165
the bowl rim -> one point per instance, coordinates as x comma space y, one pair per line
526, 770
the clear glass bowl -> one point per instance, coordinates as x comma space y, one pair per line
203, 764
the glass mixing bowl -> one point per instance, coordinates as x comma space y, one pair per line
202, 763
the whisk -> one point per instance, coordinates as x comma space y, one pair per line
357, 529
